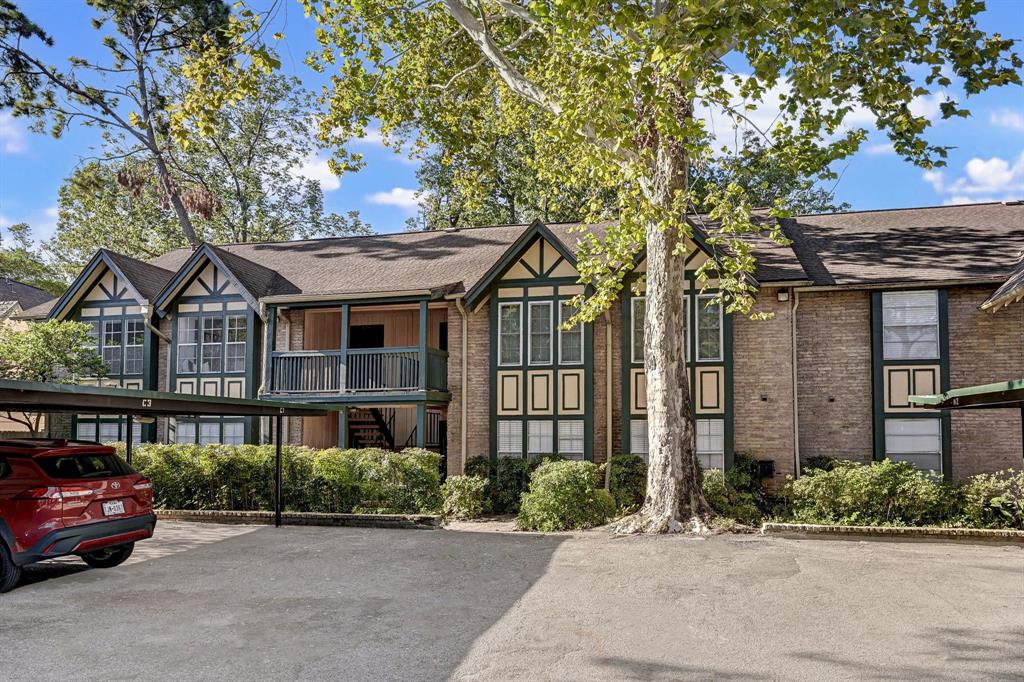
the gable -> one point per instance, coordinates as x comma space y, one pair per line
210, 281
108, 287
540, 260
696, 256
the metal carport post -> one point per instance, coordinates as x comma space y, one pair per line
33, 396
1001, 395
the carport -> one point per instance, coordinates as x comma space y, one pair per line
1001, 395
29, 396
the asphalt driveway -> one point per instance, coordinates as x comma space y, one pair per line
219, 602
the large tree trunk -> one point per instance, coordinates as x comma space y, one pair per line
674, 499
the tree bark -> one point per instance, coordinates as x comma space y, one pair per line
674, 497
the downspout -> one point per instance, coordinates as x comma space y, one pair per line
608, 399
463, 440
794, 305
147, 314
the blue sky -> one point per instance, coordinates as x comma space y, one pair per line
987, 163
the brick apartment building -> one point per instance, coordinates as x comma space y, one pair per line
452, 340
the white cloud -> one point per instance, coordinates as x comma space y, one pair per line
371, 136
402, 197
315, 168
880, 149
13, 139
1007, 118
994, 179
929, 106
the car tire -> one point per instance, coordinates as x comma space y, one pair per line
9, 572
108, 557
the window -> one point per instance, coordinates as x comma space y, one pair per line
134, 336
570, 342
918, 441
213, 341
366, 336
510, 438
510, 328
540, 438
540, 333
209, 433
686, 327
112, 345
910, 322
5, 468
185, 432
570, 438
638, 316
234, 433
234, 349
711, 443
86, 431
638, 438
188, 337
110, 432
84, 466
709, 329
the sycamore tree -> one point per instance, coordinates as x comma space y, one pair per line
627, 91
53, 352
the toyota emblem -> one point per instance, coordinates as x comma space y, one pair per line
115, 484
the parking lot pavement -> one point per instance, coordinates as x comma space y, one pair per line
365, 604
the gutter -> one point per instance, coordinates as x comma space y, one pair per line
793, 307
902, 285
463, 417
314, 298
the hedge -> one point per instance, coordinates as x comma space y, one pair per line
565, 495
241, 478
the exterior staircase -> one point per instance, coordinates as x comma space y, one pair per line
371, 427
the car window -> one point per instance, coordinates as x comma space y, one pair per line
5, 468
84, 466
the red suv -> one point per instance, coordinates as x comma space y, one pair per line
61, 497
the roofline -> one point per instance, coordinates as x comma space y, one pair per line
73, 290
313, 298
901, 284
205, 250
1008, 202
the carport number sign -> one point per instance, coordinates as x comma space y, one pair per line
147, 402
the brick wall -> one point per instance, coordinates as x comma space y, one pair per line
163, 371
601, 397
478, 412
984, 348
763, 384
834, 374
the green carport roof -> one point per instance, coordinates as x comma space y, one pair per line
1001, 394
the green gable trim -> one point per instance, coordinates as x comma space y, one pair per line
70, 298
189, 270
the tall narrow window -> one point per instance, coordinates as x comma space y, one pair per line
213, 344
570, 438
711, 443
86, 431
918, 441
686, 327
209, 432
234, 349
185, 432
510, 333
510, 438
570, 341
134, 335
540, 333
638, 316
638, 438
709, 329
188, 337
234, 433
112, 330
910, 325
540, 438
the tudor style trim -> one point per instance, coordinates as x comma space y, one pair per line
86, 279
190, 269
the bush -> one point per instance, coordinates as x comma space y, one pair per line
628, 482
242, 478
884, 493
507, 479
464, 497
993, 500
729, 502
822, 462
564, 496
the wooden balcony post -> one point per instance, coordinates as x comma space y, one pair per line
343, 426
270, 331
423, 352
421, 424
343, 347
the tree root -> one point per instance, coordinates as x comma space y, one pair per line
642, 523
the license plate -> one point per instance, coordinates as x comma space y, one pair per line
113, 508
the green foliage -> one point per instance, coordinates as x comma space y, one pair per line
883, 493
564, 495
20, 261
464, 497
628, 482
822, 462
729, 501
241, 478
993, 500
507, 479
50, 351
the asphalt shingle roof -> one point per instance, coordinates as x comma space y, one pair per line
25, 295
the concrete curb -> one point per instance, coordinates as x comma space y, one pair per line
416, 521
908, 533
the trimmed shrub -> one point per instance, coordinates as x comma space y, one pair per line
993, 500
729, 502
883, 493
628, 482
564, 496
241, 478
507, 479
822, 462
464, 497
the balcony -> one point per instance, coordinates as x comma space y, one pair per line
358, 371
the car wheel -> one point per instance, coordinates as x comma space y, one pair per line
108, 557
9, 573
